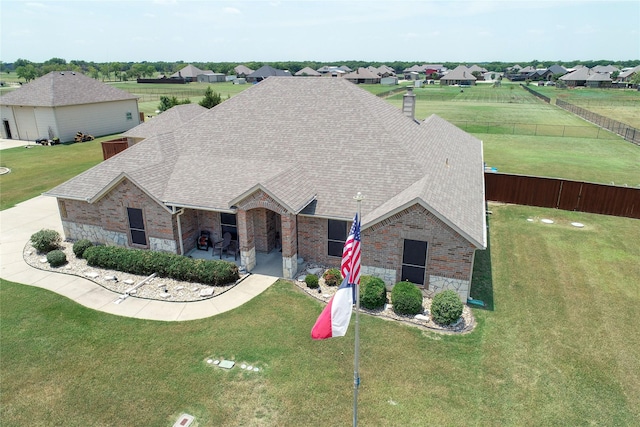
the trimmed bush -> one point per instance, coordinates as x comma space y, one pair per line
332, 277
446, 307
56, 258
46, 240
145, 263
406, 298
373, 292
311, 280
80, 246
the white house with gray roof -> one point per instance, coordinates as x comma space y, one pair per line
273, 165
59, 104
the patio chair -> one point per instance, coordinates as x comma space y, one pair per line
204, 240
233, 248
223, 244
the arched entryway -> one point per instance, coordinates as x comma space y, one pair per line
267, 233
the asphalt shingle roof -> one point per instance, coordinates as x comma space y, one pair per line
166, 121
280, 136
58, 89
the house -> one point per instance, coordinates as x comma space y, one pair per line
458, 76
362, 75
60, 104
584, 76
333, 71
189, 73
266, 71
242, 71
289, 175
308, 71
556, 69
627, 74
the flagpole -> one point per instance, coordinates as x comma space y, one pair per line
356, 353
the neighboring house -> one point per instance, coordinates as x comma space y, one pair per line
556, 69
211, 78
599, 80
386, 71
60, 104
362, 75
266, 71
290, 174
332, 71
541, 74
606, 69
458, 76
307, 71
189, 73
585, 77
242, 71
164, 122
627, 75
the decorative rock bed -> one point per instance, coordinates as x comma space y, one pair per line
465, 324
157, 288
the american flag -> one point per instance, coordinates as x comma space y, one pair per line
351, 254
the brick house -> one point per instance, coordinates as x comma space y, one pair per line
273, 165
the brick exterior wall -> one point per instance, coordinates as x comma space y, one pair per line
110, 215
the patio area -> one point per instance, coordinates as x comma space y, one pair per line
267, 264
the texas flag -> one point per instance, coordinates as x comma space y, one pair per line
334, 319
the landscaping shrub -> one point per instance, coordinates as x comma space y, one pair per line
56, 258
80, 246
446, 307
311, 280
46, 240
145, 263
332, 277
406, 298
373, 292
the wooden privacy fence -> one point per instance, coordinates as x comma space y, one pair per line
563, 194
113, 147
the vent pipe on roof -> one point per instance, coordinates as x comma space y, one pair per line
409, 103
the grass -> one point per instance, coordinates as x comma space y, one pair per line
40, 168
581, 159
556, 347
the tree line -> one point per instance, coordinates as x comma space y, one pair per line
123, 71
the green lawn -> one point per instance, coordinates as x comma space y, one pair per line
40, 168
558, 346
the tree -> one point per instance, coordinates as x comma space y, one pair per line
105, 70
27, 72
211, 98
170, 102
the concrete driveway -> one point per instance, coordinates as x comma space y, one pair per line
20, 222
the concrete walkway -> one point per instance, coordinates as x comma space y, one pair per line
20, 222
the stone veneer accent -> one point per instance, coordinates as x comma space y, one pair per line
438, 284
93, 233
290, 266
248, 258
386, 274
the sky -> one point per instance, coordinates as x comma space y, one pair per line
325, 31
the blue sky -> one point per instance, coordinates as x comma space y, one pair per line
237, 31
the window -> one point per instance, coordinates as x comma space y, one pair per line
129, 115
136, 227
414, 261
229, 224
336, 237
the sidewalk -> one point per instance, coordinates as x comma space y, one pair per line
20, 222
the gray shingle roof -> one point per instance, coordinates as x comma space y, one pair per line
166, 121
280, 136
190, 71
308, 71
58, 89
459, 73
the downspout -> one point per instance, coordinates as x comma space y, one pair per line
179, 229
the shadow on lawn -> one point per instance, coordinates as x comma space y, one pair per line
482, 279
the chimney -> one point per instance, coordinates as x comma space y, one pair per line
409, 103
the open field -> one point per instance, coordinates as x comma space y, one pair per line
557, 346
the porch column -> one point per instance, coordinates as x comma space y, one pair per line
289, 246
244, 222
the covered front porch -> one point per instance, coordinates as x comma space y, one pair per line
267, 264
